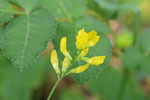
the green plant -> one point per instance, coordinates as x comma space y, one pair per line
27, 27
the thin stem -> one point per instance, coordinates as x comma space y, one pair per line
61, 77
54, 87
132, 86
136, 28
122, 85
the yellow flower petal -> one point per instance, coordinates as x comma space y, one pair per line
81, 39
54, 61
79, 69
65, 64
96, 60
63, 45
63, 48
93, 38
83, 53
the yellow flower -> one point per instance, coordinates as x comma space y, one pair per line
65, 64
94, 60
85, 40
63, 48
79, 69
81, 40
83, 53
54, 61
93, 39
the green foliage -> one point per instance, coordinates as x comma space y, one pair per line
33, 38
1, 36
145, 40
107, 9
71, 94
106, 84
28, 5
102, 48
3, 3
66, 29
18, 85
124, 40
90, 23
65, 8
132, 58
109, 83
145, 64
26, 26
5, 11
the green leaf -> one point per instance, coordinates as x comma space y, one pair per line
65, 29
65, 8
132, 58
71, 94
1, 36
104, 8
4, 68
109, 83
19, 85
109, 4
6, 11
103, 47
28, 5
3, 3
5, 17
27, 35
145, 40
90, 23
145, 64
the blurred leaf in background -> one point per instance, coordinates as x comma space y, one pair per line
132, 58
145, 40
71, 94
16, 85
65, 8
112, 85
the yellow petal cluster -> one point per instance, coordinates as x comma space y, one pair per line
54, 61
63, 48
79, 69
93, 38
85, 40
81, 39
65, 64
97, 60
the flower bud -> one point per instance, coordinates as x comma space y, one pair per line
55, 62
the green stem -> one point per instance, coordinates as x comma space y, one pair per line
54, 87
132, 86
136, 28
122, 85
61, 77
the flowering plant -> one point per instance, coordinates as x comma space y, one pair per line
83, 43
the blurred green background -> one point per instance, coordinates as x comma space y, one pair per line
125, 77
